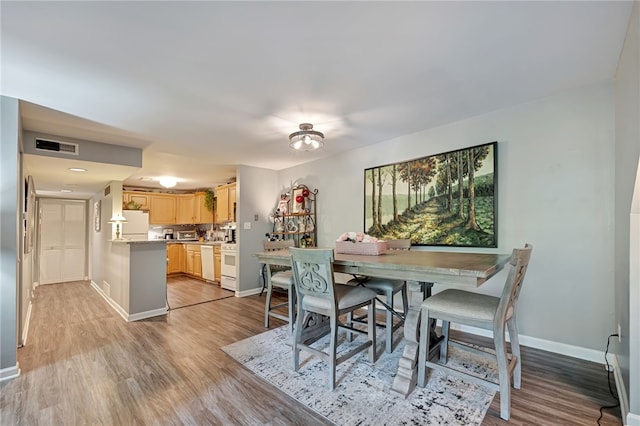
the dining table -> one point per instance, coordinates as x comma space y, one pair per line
421, 269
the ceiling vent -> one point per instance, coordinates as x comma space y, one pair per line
55, 146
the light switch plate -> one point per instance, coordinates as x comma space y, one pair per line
247, 225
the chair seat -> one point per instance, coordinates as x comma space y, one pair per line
346, 296
380, 285
463, 304
282, 279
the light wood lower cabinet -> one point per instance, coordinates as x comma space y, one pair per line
175, 253
217, 262
194, 260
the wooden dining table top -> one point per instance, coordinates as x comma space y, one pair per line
451, 268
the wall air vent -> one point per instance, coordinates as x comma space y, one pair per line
55, 146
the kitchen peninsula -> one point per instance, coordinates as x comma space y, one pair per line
138, 281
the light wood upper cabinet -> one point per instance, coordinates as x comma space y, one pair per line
162, 209
225, 203
185, 209
202, 215
140, 199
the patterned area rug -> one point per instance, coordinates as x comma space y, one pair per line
362, 395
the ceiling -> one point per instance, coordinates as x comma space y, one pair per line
204, 86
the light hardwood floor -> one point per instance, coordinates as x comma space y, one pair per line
83, 364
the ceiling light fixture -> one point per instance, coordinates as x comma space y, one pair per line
77, 169
306, 139
167, 182
66, 190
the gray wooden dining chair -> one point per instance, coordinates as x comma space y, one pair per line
281, 277
388, 288
483, 311
319, 295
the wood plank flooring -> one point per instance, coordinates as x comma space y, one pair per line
82, 364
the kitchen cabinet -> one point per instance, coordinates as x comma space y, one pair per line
225, 203
162, 209
217, 262
202, 214
175, 254
135, 200
193, 260
185, 209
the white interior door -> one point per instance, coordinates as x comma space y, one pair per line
62, 240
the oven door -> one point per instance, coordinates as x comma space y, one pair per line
228, 263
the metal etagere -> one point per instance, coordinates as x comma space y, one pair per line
295, 216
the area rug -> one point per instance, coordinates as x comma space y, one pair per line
362, 395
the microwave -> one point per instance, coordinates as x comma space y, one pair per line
187, 235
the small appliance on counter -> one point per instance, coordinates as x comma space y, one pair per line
167, 233
188, 235
229, 232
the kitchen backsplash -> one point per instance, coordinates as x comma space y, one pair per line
208, 231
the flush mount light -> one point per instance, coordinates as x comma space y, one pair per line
66, 190
77, 169
306, 139
167, 182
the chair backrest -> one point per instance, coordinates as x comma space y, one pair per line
399, 244
519, 262
313, 273
277, 245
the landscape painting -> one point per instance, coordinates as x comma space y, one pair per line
447, 199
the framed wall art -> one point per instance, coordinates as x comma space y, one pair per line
447, 199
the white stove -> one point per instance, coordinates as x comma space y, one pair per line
229, 266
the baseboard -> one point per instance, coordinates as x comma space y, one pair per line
147, 314
620, 389
633, 420
25, 330
126, 316
251, 292
110, 301
546, 345
9, 372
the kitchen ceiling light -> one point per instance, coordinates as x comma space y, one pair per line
77, 169
306, 139
167, 182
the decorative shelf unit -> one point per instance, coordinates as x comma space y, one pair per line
295, 216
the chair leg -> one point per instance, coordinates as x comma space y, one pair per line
372, 331
291, 294
332, 351
405, 300
349, 323
389, 323
297, 337
515, 351
503, 373
444, 344
267, 306
423, 349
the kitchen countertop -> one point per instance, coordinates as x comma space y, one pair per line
202, 243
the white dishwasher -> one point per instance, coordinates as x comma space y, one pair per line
208, 268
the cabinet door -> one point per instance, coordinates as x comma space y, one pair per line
232, 203
202, 215
173, 254
162, 209
197, 263
222, 204
185, 209
190, 258
139, 198
217, 262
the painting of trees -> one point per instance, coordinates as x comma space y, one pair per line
446, 199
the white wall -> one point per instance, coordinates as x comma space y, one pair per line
555, 180
627, 152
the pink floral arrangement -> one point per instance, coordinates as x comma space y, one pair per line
357, 237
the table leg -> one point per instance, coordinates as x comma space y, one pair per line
406, 377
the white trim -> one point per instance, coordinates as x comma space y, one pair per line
622, 392
25, 330
633, 420
546, 345
147, 314
250, 292
10, 372
126, 316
